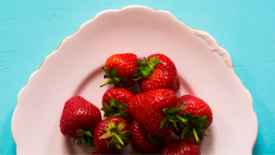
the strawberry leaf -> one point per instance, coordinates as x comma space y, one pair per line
154, 140
114, 72
113, 79
114, 131
111, 143
85, 138
195, 126
88, 133
171, 116
146, 68
126, 133
114, 109
163, 122
80, 131
175, 125
125, 139
119, 146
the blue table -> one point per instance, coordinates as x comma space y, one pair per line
30, 30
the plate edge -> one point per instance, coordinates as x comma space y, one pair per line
197, 32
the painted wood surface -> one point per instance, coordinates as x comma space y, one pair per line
30, 30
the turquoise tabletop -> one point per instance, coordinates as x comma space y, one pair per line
31, 29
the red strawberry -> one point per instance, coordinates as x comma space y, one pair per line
115, 102
179, 147
157, 72
154, 109
120, 68
199, 116
111, 135
79, 117
142, 141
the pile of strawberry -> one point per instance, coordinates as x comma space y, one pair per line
144, 119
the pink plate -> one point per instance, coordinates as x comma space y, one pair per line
205, 70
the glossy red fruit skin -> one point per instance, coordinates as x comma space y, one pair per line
126, 63
195, 106
164, 76
101, 144
122, 95
146, 108
141, 141
180, 147
78, 113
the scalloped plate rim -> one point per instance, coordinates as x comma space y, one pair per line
115, 10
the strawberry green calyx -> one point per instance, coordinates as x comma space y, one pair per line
155, 140
195, 126
114, 109
86, 138
145, 68
114, 131
172, 117
112, 75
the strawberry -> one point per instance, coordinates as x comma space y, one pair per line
155, 111
79, 117
142, 141
199, 116
120, 69
111, 135
157, 72
180, 147
115, 101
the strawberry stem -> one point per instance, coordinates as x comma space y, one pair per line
109, 81
195, 134
112, 75
181, 119
118, 138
